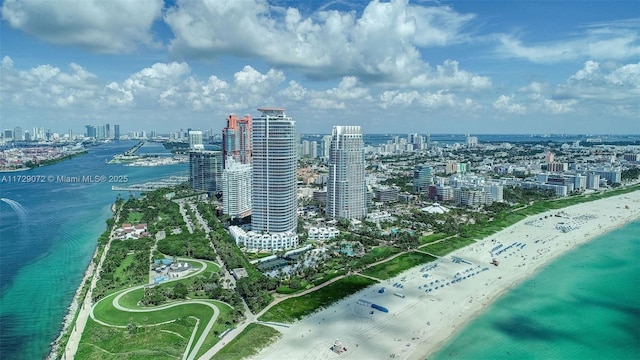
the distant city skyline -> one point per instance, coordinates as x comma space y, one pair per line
480, 67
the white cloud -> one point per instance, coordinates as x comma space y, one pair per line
113, 26
505, 103
534, 91
173, 85
252, 81
294, 91
437, 99
7, 62
172, 90
382, 45
334, 98
449, 76
559, 107
320, 103
397, 98
591, 69
595, 83
601, 42
627, 75
427, 100
47, 86
348, 89
439, 25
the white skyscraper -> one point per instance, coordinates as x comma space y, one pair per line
274, 156
195, 140
346, 185
236, 188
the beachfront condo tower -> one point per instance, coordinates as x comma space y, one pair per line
236, 189
274, 157
346, 185
205, 170
236, 139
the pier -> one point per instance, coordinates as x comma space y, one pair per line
152, 185
135, 148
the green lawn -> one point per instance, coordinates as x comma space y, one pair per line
377, 254
218, 328
166, 341
444, 247
432, 237
130, 300
296, 308
121, 270
397, 265
134, 217
254, 338
105, 311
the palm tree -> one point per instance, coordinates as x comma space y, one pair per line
131, 326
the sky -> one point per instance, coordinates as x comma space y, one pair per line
395, 66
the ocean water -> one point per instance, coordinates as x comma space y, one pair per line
47, 242
585, 305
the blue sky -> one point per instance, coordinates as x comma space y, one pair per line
395, 66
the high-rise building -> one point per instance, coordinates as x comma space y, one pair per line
472, 141
274, 157
326, 145
309, 148
116, 132
422, 178
17, 133
205, 170
195, 140
236, 189
236, 139
91, 131
549, 157
346, 184
101, 132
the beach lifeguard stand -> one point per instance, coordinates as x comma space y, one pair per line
337, 347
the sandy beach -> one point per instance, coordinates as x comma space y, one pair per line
429, 303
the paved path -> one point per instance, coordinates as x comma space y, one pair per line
188, 355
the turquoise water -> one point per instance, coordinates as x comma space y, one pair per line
43, 255
585, 305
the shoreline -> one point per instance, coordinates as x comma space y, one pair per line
73, 309
529, 275
419, 323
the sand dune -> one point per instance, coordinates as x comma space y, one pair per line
419, 323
